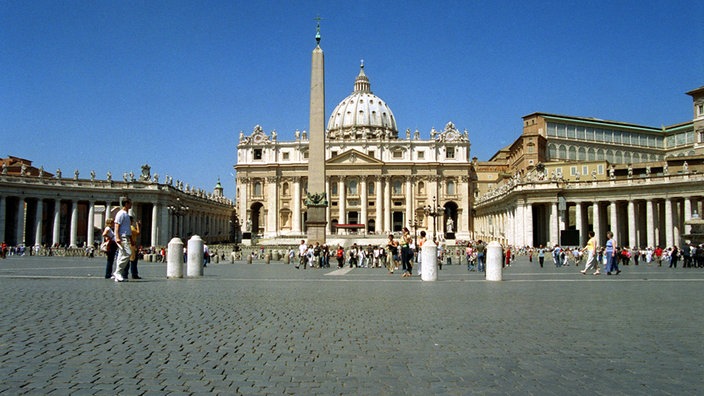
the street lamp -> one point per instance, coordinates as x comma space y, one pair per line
414, 224
178, 210
434, 211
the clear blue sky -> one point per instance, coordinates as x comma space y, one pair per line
111, 85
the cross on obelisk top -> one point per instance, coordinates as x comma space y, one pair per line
317, 29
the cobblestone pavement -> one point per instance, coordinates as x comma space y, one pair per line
272, 329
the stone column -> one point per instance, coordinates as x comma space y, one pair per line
510, 228
596, 219
272, 207
164, 225
38, 228
155, 224
378, 189
90, 238
409, 200
669, 238
328, 214
528, 213
387, 205
20, 221
579, 222
520, 224
74, 224
364, 202
631, 224
649, 219
466, 208
56, 229
342, 200
613, 209
2, 217
687, 215
296, 216
553, 224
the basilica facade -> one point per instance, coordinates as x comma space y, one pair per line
377, 179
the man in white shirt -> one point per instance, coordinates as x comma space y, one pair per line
302, 251
123, 232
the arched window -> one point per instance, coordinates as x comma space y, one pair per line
421, 188
572, 153
552, 152
333, 189
370, 188
257, 189
285, 190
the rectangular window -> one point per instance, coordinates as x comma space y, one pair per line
421, 155
450, 153
333, 154
585, 170
285, 156
600, 169
398, 154
590, 133
700, 111
573, 171
571, 132
371, 153
561, 130
305, 155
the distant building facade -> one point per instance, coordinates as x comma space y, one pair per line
578, 174
378, 181
42, 209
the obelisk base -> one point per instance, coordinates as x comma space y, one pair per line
316, 224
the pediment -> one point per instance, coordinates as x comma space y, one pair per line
353, 157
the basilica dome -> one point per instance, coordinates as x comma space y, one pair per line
362, 115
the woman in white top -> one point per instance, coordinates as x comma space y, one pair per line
109, 237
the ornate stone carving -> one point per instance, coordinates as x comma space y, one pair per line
316, 200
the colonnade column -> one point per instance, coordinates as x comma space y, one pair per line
2, 217
614, 221
510, 220
528, 225
553, 224
56, 230
520, 225
155, 224
342, 195
328, 214
90, 238
38, 228
20, 222
297, 205
387, 204
378, 189
364, 202
649, 218
409, 200
596, 219
464, 225
668, 223
631, 224
74, 224
273, 206
687, 215
579, 222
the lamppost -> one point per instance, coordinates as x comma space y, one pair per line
434, 211
178, 210
414, 224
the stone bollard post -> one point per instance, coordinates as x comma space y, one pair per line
194, 268
287, 259
174, 259
277, 256
429, 265
232, 257
494, 266
249, 259
267, 258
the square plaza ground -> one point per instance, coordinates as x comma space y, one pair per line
272, 329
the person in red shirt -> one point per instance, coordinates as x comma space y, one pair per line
658, 255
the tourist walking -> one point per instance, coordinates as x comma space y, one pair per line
406, 252
132, 268
111, 250
611, 256
590, 248
392, 259
541, 255
123, 233
302, 254
480, 247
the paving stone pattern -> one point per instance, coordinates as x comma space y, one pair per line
271, 329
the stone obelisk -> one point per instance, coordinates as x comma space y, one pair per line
316, 199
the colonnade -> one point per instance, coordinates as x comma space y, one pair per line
646, 215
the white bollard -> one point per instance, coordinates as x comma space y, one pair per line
194, 268
494, 262
429, 266
174, 259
